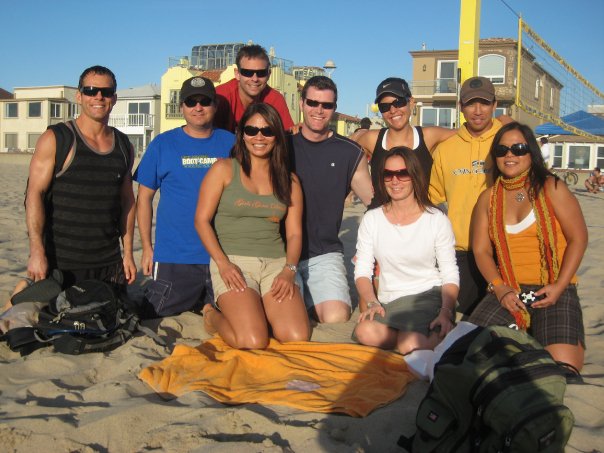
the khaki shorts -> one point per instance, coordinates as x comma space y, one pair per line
259, 273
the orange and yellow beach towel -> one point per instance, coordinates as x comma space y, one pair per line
317, 377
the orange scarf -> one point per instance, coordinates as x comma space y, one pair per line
546, 231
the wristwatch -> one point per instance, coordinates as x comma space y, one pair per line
292, 267
496, 282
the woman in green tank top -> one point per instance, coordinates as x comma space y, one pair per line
242, 203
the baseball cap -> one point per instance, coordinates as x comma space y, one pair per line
477, 87
393, 85
197, 85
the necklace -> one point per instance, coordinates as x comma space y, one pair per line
519, 197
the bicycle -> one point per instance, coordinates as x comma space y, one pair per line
568, 176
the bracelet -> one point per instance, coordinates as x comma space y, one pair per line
373, 303
451, 312
510, 291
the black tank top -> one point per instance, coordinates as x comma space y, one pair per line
82, 228
379, 154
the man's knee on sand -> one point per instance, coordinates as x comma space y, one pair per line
332, 311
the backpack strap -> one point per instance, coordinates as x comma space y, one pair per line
66, 139
123, 142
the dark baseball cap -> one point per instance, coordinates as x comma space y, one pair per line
197, 85
394, 86
477, 88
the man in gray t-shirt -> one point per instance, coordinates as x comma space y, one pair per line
329, 166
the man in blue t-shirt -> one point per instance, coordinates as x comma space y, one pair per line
175, 163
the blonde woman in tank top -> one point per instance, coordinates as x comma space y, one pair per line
242, 203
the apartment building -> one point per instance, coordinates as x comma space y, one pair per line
435, 83
31, 110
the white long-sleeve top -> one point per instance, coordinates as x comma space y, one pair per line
413, 258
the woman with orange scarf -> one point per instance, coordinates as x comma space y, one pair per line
529, 237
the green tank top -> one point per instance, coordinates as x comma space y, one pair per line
247, 224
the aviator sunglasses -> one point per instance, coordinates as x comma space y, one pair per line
203, 101
517, 149
325, 105
250, 72
252, 131
401, 174
93, 91
397, 104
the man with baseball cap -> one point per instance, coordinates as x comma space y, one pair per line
175, 163
460, 173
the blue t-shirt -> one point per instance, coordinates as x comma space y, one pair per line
176, 163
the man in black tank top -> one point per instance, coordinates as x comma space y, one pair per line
77, 217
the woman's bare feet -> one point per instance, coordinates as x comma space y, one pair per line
208, 311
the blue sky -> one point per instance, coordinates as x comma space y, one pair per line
51, 42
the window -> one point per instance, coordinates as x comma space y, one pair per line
537, 84
55, 110
492, 67
443, 117
34, 110
600, 157
12, 110
578, 157
174, 96
558, 156
551, 98
173, 107
73, 110
138, 113
447, 76
32, 139
499, 111
10, 142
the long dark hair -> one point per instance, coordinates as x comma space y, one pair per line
538, 172
419, 179
279, 159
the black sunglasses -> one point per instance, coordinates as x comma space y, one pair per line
203, 101
93, 91
401, 175
325, 105
397, 104
250, 72
517, 149
252, 131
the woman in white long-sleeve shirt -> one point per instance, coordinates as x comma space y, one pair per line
414, 243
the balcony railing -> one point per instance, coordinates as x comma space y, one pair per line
132, 120
173, 110
432, 87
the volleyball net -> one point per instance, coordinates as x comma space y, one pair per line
549, 88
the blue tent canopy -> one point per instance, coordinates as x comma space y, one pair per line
581, 120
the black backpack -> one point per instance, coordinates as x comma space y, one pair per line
90, 316
494, 390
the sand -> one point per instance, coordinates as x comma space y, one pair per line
96, 403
